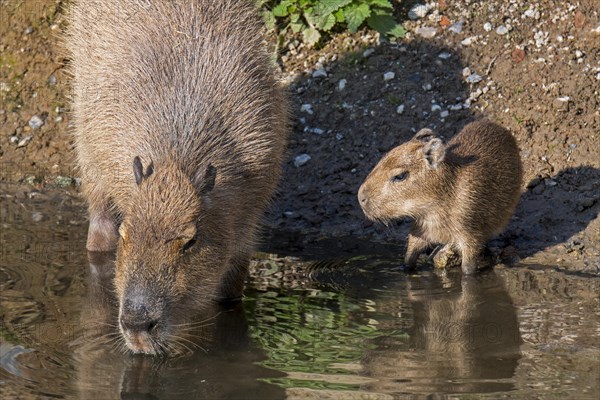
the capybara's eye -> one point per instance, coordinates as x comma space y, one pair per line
188, 245
400, 177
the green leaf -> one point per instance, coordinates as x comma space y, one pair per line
325, 7
281, 10
269, 19
339, 16
355, 15
311, 36
325, 23
381, 4
386, 25
297, 27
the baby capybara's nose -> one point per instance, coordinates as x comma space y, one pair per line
362, 197
138, 325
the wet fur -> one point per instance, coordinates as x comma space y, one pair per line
182, 85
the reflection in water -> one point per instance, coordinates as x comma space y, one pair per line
464, 338
223, 353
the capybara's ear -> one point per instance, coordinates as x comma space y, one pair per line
425, 135
149, 170
205, 182
434, 152
138, 170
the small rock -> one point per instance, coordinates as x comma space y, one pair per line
37, 216
52, 80
502, 30
456, 107
517, 55
307, 108
585, 203
400, 109
301, 160
578, 53
444, 55
435, 107
550, 182
29, 30
456, 27
487, 27
562, 103
529, 13
339, 136
368, 52
427, 87
418, 11
320, 73
290, 214
474, 78
25, 141
14, 139
388, 76
318, 131
426, 32
36, 122
466, 71
342, 84
467, 41
444, 114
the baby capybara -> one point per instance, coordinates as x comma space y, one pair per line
459, 193
180, 127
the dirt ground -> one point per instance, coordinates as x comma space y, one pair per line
531, 66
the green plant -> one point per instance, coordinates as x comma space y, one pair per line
313, 18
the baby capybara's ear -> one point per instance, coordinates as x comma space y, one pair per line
434, 152
425, 135
138, 170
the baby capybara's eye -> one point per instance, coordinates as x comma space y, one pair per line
400, 177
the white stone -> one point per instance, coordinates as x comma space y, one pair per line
342, 84
466, 71
320, 73
487, 27
318, 131
426, 32
436, 107
301, 160
444, 114
368, 52
400, 109
427, 87
456, 27
444, 55
25, 141
467, 41
36, 122
388, 76
474, 78
502, 30
307, 108
418, 11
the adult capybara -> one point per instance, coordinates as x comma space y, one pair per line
180, 128
459, 194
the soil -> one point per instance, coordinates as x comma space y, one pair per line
540, 79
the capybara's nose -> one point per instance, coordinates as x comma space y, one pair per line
362, 197
138, 325
136, 315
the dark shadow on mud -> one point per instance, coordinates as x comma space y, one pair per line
221, 366
554, 209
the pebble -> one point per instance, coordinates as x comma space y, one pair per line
29, 30
36, 122
342, 84
418, 11
444, 55
339, 136
14, 139
474, 78
427, 87
400, 109
467, 41
436, 107
301, 160
37, 216
456, 107
444, 114
578, 53
320, 73
307, 108
317, 131
426, 32
388, 76
502, 30
466, 71
52, 80
25, 141
456, 27
368, 52
487, 27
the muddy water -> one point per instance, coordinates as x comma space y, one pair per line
313, 325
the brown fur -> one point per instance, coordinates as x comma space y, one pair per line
460, 194
187, 86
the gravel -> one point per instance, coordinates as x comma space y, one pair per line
36, 122
301, 160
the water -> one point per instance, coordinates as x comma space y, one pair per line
346, 325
